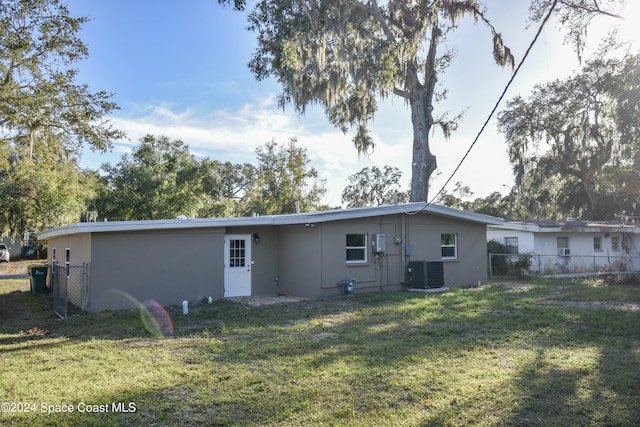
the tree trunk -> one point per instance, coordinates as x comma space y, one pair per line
423, 163
421, 103
590, 189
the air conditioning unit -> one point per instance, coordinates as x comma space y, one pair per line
426, 274
565, 252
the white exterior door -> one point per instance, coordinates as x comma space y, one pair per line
237, 265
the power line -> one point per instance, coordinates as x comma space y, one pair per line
504, 92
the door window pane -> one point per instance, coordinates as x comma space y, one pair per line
237, 253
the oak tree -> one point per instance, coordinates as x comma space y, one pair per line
46, 116
347, 55
43, 190
160, 179
227, 191
374, 187
284, 181
576, 16
571, 137
40, 99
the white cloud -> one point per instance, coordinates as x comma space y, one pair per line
233, 135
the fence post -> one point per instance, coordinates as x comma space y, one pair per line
490, 266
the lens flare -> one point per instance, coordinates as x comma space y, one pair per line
154, 317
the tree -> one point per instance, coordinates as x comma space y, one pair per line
161, 179
495, 204
347, 55
42, 191
40, 101
283, 180
498, 205
570, 133
575, 16
227, 194
45, 117
455, 199
374, 187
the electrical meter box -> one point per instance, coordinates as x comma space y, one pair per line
379, 243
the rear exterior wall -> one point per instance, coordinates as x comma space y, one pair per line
312, 258
423, 238
167, 266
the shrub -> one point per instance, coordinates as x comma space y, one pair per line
621, 279
522, 265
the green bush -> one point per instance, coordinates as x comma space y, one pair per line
522, 264
621, 279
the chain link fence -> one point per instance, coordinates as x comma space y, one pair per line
510, 265
70, 285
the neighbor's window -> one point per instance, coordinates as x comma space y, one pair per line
615, 243
449, 246
67, 260
597, 244
511, 245
356, 248
562, 243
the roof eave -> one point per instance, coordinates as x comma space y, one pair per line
288, 219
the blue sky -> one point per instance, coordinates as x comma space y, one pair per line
179, 69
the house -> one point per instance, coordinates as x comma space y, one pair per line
571, 246
306, 255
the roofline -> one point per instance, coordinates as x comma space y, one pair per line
563, 227
507, 225
285, 219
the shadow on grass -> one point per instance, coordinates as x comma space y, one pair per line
359, 359
572, 395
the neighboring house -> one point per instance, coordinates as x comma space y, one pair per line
14, 245
306, 255
571, 246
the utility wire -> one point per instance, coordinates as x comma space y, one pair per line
504, 92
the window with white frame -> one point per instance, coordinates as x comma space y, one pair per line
597, 244
356, 248
511, 245
562, 243
67, 260
449, 245
615, 243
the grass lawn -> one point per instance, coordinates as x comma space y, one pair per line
543, 353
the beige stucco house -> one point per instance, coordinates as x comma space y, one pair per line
306, 255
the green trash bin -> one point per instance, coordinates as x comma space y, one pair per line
38, 278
